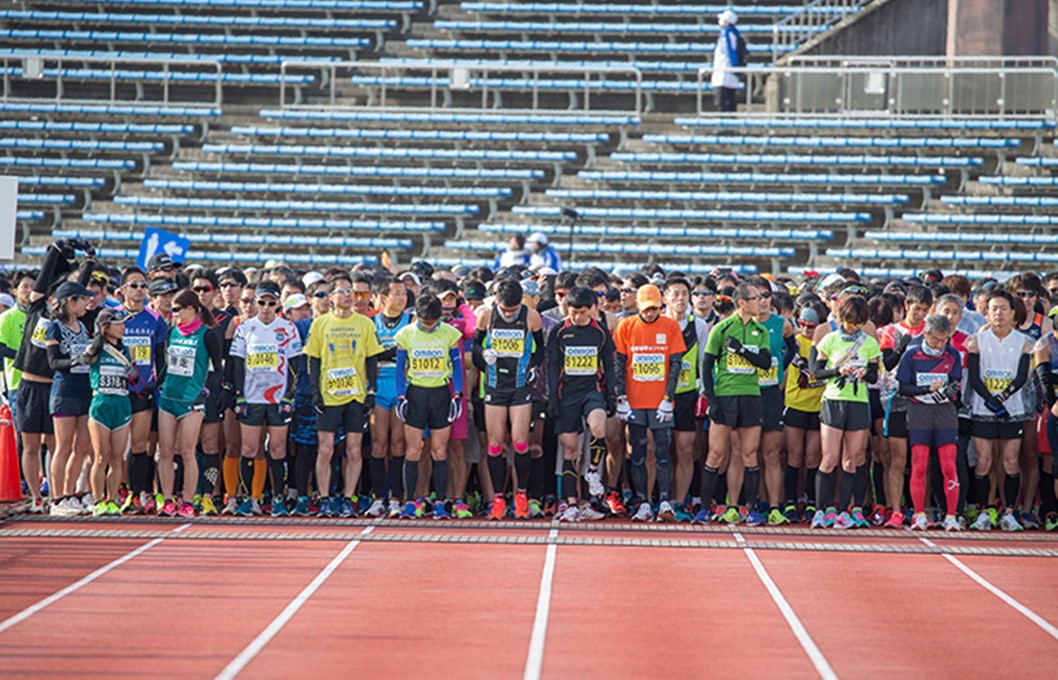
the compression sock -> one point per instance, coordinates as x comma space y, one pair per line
790, 479
981, 486
411, 478
139, 473
246, 470
304, 466
708, 488
596, 451
210, 468
696, 483
440, 478
521, 463
1011, 485
859, 486
497, 469
810, 485
936, 484
878, 483
751, 486
569, 479
946, 457
1047, 499
260, 474
277, 468
230, 471
395, 477
825, 488
537, 473
376, 469
845, 501
919, 463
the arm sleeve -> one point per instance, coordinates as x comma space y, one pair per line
456, 355
817, 366
554, 365
237, 366
609, 370
621, 362
761, 359
314, 379
55, 360
890, 358
402, 367
371, 373
675, 366
872, 372
537, 357
47, 271
1022, 378
1043, 372
159, 362
87, 268
6, 352
388, 354
477, 349
213, 345
707, 376
973, 370
905, 378
789, 350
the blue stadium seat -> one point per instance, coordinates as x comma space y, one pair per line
799, 159
688, 10
869, 124
344, 189
899, 272
52, 126
185, 220
615, 265
67, 163
206, 77
871, 180
719, 215
226, 58
456, 118
992, 220
962, 256
601, 28
130, 109
1004, 181
59, 35
362, 171
644, 231
612, 248
816, 141
249, 205
195, 19
47, 199
80, 145
961, 237
246, 239
30, 215
391, 152
727, 196
429, 135
301, 5
1004, 201
609, 84
57, 181
632, 48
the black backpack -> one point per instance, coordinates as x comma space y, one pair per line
742, 52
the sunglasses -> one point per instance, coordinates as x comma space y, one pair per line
807, 325
246, 301
267, 303
176, 309
320, 294
766, 294
203, 289
1026, 293
561, 293
230, 284
362, 295
1053, 292
702, 293
136, 286
751, 298
600, 293
344, 290
628, 290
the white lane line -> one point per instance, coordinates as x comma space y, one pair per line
1017, 606
254, 648
534, 662
807, 643
74, 587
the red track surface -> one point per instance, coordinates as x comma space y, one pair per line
189, 606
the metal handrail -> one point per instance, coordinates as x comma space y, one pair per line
798, 27
41, 62
437, 68
923, 61
1010, 103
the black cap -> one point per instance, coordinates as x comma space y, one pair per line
71, 289
226, 273
109, 315
162, 287
160, 261
474, 290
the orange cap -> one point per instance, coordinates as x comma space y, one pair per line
648, 296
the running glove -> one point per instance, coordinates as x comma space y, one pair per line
401, 409
455, 409
622, 409
665, 411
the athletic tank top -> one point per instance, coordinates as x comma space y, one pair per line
771, 377
109, 377
188, 365
687, 380
999, 366
513, 346
1035, 331
387, 370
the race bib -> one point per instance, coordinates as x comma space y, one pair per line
581, 361
426, 363
769, 377
182, 361
996, 381
112, 381
261, 358
76, 350
684, 379
508, 342
927, 379
341, 382
139, 350
648, 367
40, 332
737, 365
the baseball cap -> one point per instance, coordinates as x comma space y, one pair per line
537, 237
728, 15
71, 289
160, 261
809, 315
161, 287
109, 315
546, 271
831, 280
6, 300
413, 276
475, 290
266, 291
530, 287
648, 296
311, 279
294, 301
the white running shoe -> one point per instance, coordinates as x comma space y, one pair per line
37, 506
87, 502
666, 513
59, 509
819, 520
590, 514
377, 509
256, 505
74, 506
643, 513
571, 514
594, 479
1008, 522
952, 524
920, 523
230, 507
983, 523
394, 508
844, 521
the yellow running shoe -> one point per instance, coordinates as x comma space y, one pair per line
209, 509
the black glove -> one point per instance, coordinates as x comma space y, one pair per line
996, 406
713, 412
552, 408
611, 407
803, 381
733, 345
369, 403
317, 403
903, 342
226, 400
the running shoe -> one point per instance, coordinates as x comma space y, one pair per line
439, 511
159, 500
412, 510
550, 506
113, 509
394, 508
86, 501
1050, 523
858, 519
831, 517
880, 516
209, 508
361, 503
666, 513
951, 523
231, 506
125, 500
589, 513
1008, 522
150, 505
99, 509
594, 479
37, 506
326, 508
73, 506
521, 506
682, 515
808, 513
377, 509
168, 508
460, 510
731, 515
562, 507
983, 523
255, 506
791, 513
302, 508
498, 509
196, 500
570, 514
895, 521
279, 508
45, 489
614, 504
993, 514
920, 523
844, 521
245, 508
971, 513
777, 518
701, 517
536, 509
342, 506
754, 518
819, 520
1028, 521
643, 513
186, 509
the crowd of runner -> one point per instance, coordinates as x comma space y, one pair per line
836, 401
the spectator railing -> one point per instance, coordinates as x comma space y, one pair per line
126, 80
441, 80
878, 89
808, 22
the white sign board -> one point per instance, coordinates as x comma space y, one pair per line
8, 210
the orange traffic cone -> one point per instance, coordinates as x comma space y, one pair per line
10, 484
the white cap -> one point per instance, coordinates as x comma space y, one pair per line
831, 280
728, 16
545, 271
412, 275
538, 237
6, 300
294, 301
311, 279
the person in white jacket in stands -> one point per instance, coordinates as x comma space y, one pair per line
725, 57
